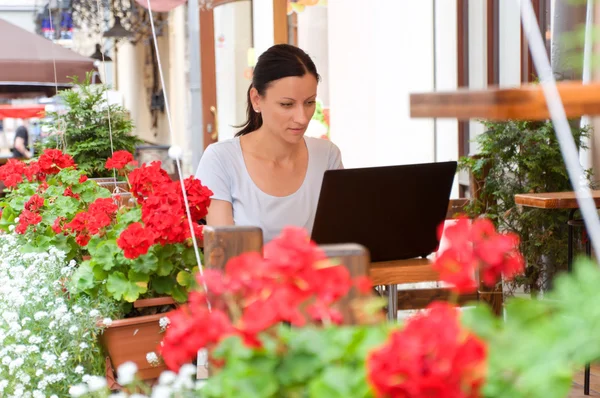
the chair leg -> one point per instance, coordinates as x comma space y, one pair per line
392, 293
586, 380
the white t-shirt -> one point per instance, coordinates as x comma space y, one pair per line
223, 170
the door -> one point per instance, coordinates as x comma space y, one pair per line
226, 46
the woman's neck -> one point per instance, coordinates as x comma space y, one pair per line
272, 148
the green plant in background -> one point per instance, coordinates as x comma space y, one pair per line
319, 115
85, 128
524, 157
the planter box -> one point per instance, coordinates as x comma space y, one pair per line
132, 338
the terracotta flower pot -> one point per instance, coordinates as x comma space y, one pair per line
131, 339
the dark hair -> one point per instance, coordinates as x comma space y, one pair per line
279, 61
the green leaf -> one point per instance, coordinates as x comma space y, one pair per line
335, 381
104, 252
299, 368
83, 277
145, 264
130, 216
69, 177
130, 289
163, 284
179, 294
66, 206
184, 278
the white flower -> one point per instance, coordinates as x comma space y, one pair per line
107, 321
83, 346
39, 315
152, 358
164, 322
96, 383
3, 384
161, 392
126, 373
94, 313
167, 377
78, 390
79, 370
77, 309
73, 329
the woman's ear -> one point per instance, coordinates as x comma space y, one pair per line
255, 99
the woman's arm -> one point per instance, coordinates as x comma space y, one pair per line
220, 213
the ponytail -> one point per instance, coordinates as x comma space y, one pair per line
253, 119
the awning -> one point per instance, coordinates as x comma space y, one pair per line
28, 59
22, 111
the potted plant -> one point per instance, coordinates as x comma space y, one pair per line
137, 251
518, 157
90, 129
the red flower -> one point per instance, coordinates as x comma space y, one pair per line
69, 192
91, 222
27, 218
12, 172
192, 328
478, 245
433, 356
119, 160
135, 240
294, 274
58, 225
83, 178
148, 179
457, 269
34, 203
198, 197
52, 161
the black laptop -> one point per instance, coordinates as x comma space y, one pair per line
394, 211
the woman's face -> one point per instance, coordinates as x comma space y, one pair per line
287, 106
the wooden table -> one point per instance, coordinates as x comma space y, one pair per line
553, 200
563, 201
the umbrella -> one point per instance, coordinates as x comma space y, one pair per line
27, 59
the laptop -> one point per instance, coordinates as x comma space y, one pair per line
394, 211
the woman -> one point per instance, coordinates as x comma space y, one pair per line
270, 174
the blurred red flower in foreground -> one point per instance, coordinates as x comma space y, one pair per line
433, 356
477, 246
255, 293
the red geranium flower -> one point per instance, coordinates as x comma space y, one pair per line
119, 160
135, 240
52, 161
433, 356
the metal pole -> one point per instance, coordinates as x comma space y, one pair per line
196, 126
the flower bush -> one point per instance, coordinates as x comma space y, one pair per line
48, 338
139, 250
145, 249
42, 196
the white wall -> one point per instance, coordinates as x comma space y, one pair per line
509, 44
263, 25
233, 25
313, 38
477, 59
378, 55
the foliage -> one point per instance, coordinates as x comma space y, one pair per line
52, 204
48, 339
524, 157
41, 192
532, 352
84, 129
146, 249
